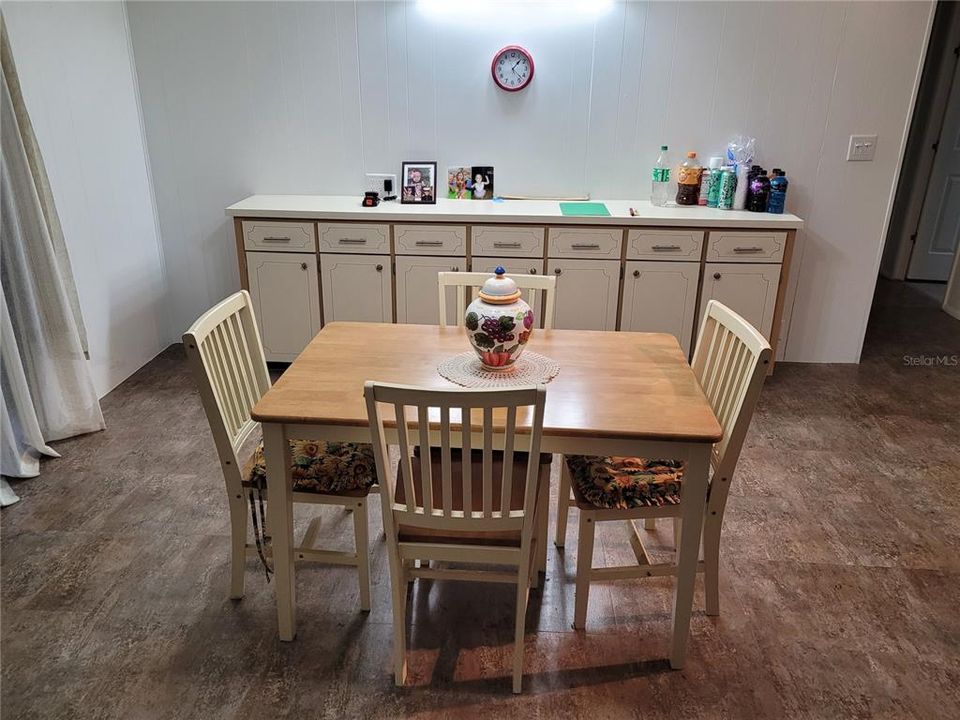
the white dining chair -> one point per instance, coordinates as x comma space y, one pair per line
454, 499
730, 361
530, 284
226, 356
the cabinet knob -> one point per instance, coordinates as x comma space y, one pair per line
557, 271
716, 276
533, 271
379, 268
636, 273
303, 266
455, 268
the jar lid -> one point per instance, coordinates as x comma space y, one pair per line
499, 290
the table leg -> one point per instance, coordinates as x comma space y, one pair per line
692, 505
276, 451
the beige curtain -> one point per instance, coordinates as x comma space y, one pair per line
44, 377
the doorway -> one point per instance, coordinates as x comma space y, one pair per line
924, 234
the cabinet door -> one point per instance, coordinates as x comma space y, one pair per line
750, 290
531, 266
661, 297
586, 294
356, 288
417, 297
286, 301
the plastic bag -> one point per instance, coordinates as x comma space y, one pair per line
740, 150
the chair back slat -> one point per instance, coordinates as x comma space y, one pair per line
487, 462
226, 356
507, 483
443, 416
730, 361
532, 285
406, 463
426, 466
446, 479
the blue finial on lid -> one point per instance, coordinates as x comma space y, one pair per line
499, 270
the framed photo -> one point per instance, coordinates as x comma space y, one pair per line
481, 182
418, 183
459, 183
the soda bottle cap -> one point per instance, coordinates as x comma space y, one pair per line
691, 154
716, 162
664, 147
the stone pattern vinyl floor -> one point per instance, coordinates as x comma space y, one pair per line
839, 588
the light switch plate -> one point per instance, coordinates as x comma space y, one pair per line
374, 183
862, 147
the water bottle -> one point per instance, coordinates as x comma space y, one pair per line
688, 181
660, 193
778, 192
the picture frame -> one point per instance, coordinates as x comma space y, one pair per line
418, 183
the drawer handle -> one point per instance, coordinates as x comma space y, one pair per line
502, 244
303, 266
455, 268
533, 271
636, 273
353, 241
557, 271
585, 246
428, 243
379, 268
752, 249
276, 239
665, 247
716, 276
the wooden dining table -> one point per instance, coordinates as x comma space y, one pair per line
617, 393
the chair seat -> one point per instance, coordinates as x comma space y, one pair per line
624, 483
509, 538
326, 468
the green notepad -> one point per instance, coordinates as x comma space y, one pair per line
584, 209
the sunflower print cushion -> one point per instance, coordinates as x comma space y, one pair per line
323, 467
626, 482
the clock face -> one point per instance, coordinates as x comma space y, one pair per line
512, 68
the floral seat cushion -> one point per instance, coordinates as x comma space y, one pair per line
622, 483
322, 467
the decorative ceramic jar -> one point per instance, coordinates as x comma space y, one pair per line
499, 322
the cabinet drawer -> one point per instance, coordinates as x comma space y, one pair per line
277, 236
507, 241
746, 246
354, 238
664, 244
575, 242
430, 239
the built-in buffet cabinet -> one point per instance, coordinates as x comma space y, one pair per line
304, 272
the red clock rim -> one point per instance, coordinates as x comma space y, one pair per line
493, 67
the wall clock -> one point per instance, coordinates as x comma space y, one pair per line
512, 68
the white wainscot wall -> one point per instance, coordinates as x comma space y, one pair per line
243, 98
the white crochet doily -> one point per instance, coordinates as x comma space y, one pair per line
465, 369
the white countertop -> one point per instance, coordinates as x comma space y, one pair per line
348, 207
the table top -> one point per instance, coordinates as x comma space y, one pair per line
348, 207
611, 384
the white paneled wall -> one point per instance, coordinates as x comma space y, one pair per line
277, 97
79, 86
